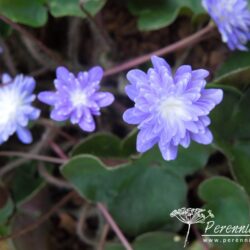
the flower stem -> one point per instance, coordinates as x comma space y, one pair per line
114, 226
186, 42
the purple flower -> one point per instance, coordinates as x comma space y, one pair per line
170, 109
233, 20
16, 96
77, 98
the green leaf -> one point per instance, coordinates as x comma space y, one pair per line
6, 206
99, 144
29, 12
224, 133
107, 145
149, 241
26, 183
235, 71
135, 192
157, 14
228, 202
242, 118
59, 8
128, 145
187, 162
240, 158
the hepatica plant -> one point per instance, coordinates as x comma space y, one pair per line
170, 109
136, 181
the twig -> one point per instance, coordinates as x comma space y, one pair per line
33, 156
101, 32
186, 42
81, 225
41, 220
46, 122
7, 58
74, 40
39, 72
51, 179
49, 133
104, 235
58, 150
55, 57
114, 226
39, 57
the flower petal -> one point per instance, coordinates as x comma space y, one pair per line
145, 140
159, 62
203, 138
24, 135
168, 151
134, 116
47, 97
62, 73
104, 99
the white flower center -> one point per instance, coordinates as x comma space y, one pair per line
10, 101
79, 98
171, 108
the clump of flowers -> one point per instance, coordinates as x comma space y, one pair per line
77, 97
232, 18
170, 110
16, 97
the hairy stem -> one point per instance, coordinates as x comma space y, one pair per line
114, 226
186, 42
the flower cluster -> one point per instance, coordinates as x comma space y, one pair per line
77, 98
232, 18
170, 109
16, 96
